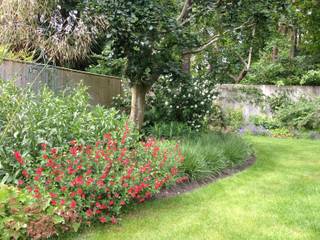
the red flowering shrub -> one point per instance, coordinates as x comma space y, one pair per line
96, 182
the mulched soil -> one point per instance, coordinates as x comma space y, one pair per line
190, 186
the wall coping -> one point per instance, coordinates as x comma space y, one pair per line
60, 68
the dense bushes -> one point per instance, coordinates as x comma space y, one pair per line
176, 99
303, 114
298, 71
28, 119
23, 216
209, 153
90, 183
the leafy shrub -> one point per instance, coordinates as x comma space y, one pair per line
311, 77
98, 181
235, 118
284, 71
218, 118
28, 119
210, 153
169, 130
265, 122
22, 216
303, 114
278, 101
175, 99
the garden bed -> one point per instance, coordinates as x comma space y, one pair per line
192, 185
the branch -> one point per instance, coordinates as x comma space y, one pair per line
247, 64
185, 11
216, 37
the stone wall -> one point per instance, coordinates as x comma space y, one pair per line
254, 99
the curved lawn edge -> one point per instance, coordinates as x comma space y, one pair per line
190, 186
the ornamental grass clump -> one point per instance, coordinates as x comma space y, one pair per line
95, 182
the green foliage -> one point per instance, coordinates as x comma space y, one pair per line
235, 118
182, 100
169, 130
311, 77
208, 154
175, 98
143, 33
28, 119
278, 101
303, 114
97, 182
265, 122
282, 72
22, 217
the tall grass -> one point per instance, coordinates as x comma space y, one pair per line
209, 153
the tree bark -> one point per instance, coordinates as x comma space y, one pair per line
294, 43
275, 53
138, 103
186, 62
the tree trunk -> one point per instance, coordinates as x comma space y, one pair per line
294, 43
186, 63
275, 53
138, 103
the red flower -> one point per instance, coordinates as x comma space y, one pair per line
53, 195
20, 182
111, 203
89, 181
63, 189
79, 191
174, 171
25, 173
44, 146
122, 203
18, 157
73, 204
53, 202
54, 151
113, 220
39, 171
62, 201
102, 219
89, 213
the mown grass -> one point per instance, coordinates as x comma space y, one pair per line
277, 198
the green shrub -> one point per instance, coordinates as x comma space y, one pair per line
23, 217
169, 130
284, 71
265, 122
210, 153
98, 181
303, 114
311, 77
235, 119
28, 119
175, 99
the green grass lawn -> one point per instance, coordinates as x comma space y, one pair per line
277, 198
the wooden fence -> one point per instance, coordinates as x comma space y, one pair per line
100, 87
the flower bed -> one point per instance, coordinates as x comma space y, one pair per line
88, 184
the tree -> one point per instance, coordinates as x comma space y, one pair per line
150, 36
53, 31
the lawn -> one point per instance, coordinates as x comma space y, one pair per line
277, 198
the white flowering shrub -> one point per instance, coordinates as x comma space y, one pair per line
171, 100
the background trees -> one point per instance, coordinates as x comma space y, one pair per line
222, 41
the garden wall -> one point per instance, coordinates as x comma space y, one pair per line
101, 88
255, 99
